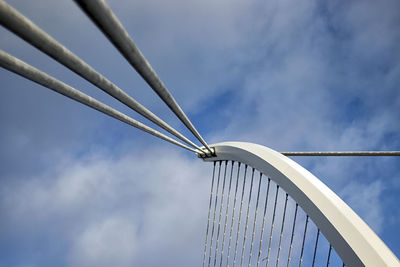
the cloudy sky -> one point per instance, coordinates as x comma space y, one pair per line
78, 188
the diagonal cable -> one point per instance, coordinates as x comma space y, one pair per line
23, 69
27, 30
342, 153
109, 24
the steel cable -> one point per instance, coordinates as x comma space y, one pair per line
27, 71
342, 153
220, 214
233, 214
17, 23
255, 219
108, 23
208, 219
247, 218
215, 212
226, 215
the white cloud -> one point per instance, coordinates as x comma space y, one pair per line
365, 199
111, 211
111, 242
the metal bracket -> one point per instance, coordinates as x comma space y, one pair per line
206, 154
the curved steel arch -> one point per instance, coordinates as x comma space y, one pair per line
352, 238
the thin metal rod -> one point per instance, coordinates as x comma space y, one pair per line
315, 248
240, 215
329, 255
247, 218
255, 219
272, 225
220, 214
27, 71
291, 238
208, 219
280, 237
302, 245
31, 33
226, 214
109, 24
263, 224
342, 153
215, 212
233, 216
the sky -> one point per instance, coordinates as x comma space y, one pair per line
78, 188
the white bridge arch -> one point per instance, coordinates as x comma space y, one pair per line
354, 241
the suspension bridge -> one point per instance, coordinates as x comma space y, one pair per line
264, 209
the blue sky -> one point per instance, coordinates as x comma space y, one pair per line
80, 189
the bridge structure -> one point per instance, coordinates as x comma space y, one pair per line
264, 208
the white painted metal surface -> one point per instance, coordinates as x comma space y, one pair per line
351, 237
